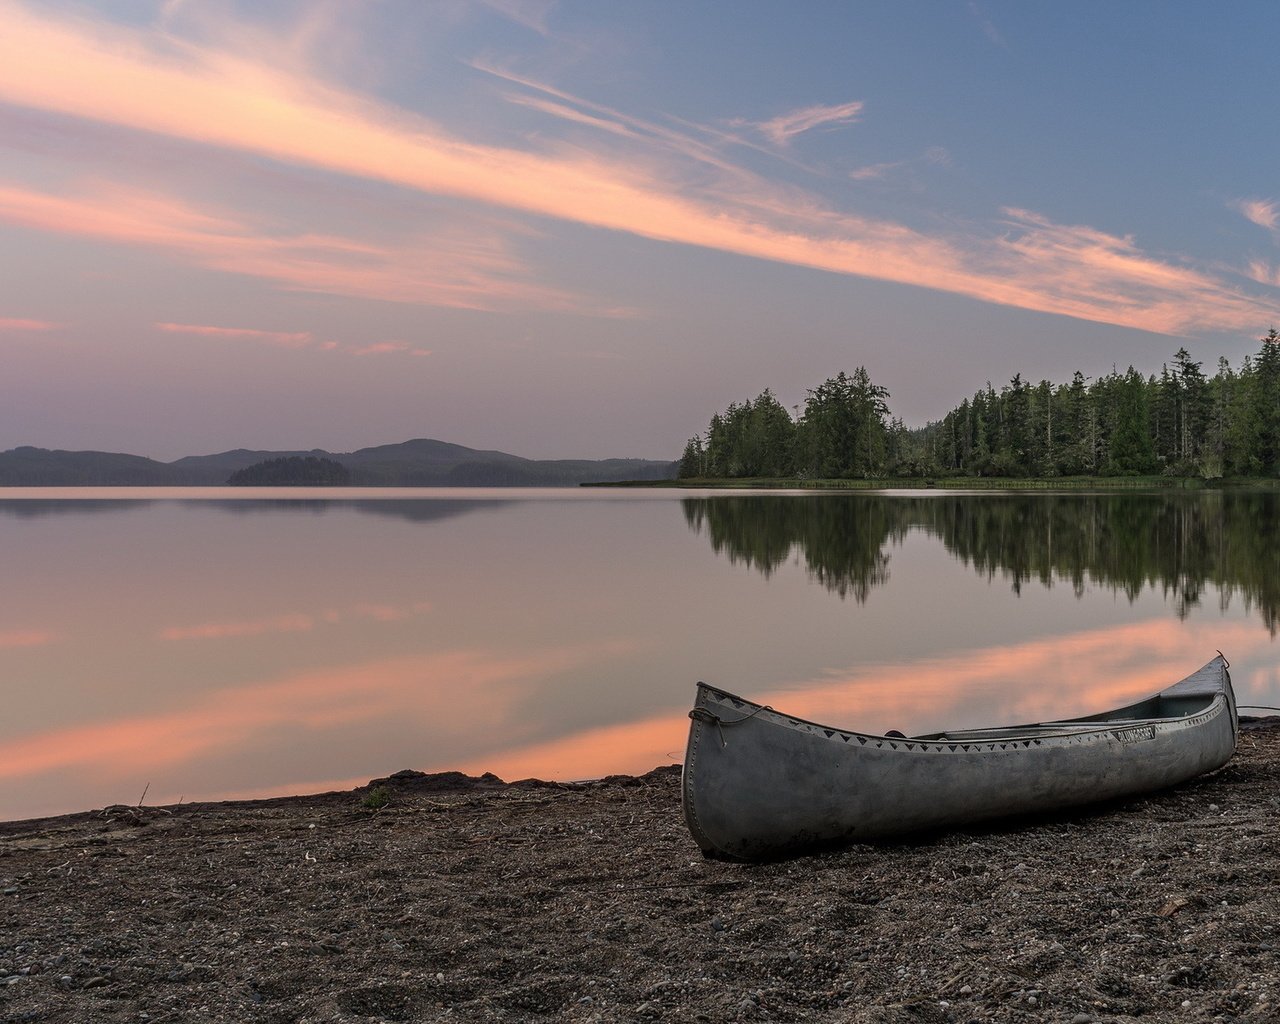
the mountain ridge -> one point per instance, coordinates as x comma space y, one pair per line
418, 462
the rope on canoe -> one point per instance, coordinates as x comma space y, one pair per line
704, 715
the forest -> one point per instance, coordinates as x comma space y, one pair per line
1181, 423
292, 471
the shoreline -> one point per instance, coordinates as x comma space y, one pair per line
473, 899
958, 483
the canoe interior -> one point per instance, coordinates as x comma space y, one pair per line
1157, 708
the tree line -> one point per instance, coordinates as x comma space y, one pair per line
1180, 423
292, 471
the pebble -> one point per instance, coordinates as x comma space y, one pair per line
1082, 1018
717, 925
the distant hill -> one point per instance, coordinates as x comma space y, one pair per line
418, 463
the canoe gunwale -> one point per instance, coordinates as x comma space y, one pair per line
1025, 735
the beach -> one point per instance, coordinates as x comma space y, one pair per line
468, 899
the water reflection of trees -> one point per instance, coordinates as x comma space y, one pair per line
1181, 543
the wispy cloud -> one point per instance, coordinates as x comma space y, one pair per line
10, 323
875, 172
1093, 275
328, 702
294, 339
782, 129
381, 348
151, 83
566, 112
468, 270
1264, 273
14, 638
295, 623
289, 339
292, 622
988, 26
1263, 212
532, 14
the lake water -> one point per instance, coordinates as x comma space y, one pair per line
201, 645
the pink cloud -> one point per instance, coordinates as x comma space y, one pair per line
381, 348
782, 129
290, 339
9, 323
470, 271
1264, 273
296, 623
292, 622
328, 701
148, 82
390, 612
26, 638
1263, 212
1103, 668
567, 113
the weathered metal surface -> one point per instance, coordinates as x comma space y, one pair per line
760, 784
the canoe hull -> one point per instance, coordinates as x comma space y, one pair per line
760, 784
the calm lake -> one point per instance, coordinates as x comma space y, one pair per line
205, 644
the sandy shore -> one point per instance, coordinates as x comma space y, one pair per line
473, 900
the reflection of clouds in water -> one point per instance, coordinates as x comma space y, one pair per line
213, 655
1041, 680
292, 622
457, 693
15, 638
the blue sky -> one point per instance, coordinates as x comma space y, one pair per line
579, 229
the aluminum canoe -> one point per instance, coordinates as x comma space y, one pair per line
760, 784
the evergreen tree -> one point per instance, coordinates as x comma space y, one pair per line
1181, 422
693, 461
1266, 405
1193, 411
1131, 449
843, 431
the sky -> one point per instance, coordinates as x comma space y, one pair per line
577, 230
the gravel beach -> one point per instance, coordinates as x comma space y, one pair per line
473, 900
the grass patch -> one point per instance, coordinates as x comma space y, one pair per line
376, 799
